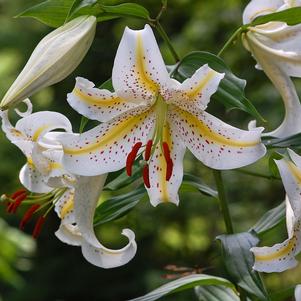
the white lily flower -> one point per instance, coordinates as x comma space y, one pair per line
54, 58
74, 198
298, 293
281, 257
151, 113
277, 50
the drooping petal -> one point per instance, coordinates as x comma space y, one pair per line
96, 104
215, 143
31, 178
291, 124
87, 192
139, 69
69, 234
256, 8
198, 89
281, 256
161, 190
106, 147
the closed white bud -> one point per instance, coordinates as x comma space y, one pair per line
54, 58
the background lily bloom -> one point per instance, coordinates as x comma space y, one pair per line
298, 293
73, 198
276, 48
281, 256
54, 58
153, 115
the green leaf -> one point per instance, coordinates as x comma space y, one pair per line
231, 89
51, 12
126, 10
270, 219
192, 183
239, 261
215, 293
291, 16
117, 207
291, 141
124, 180
83, 122
284, 295
184, 284
273, 166
78, 5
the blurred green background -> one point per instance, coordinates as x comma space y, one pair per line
46, 269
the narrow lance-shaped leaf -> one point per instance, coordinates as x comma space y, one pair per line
270, 220
184, 284
231, 89
291, 141
117, 207
215, 293
239, 260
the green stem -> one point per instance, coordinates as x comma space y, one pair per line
165, 37
223, 200
230, 41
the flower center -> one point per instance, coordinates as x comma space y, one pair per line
161, 108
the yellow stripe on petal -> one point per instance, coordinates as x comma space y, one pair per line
279, 253
295, 171
68, 207
207, 133
90, 99
38, 132
113, 134
140, 67
192, 94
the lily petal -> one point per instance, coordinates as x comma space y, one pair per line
106, 147
31, 178
198, 89
256, 8
298, 293
161, 190
69, 234
96, 104
85, 201
139, 68
215, 143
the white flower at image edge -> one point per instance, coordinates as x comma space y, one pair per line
281, 257
155, 116
277, 50
76, 198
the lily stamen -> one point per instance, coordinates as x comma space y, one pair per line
38, 227
131, 158
169, 162
28, 215
145, 175
17, 201
148, 150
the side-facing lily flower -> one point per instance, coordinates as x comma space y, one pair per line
54, 58
276, 48
73, 198
152, 115
281, 257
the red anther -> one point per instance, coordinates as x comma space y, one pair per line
131, 158
148, 150
18, 200
145, 174
28, 214
10, 207
38, 227
169, 162
169, 169
18, 193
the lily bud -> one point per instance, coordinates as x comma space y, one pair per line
54, 58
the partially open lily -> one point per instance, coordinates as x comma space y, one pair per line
281, 257
276, 48
73, 198
54, 58
152, 115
